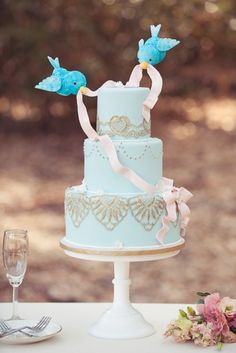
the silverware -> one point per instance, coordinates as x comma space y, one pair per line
5, 327
39, 327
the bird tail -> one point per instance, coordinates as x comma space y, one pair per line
54, 62
155, 30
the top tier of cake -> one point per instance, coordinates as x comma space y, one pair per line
119, 113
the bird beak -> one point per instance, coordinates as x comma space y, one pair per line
144, 65
83, 90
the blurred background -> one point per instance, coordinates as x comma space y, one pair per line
41, 142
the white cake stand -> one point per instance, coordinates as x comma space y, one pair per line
122, 320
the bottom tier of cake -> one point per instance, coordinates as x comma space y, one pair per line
116, 220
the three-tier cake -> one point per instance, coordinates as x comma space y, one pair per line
107, 210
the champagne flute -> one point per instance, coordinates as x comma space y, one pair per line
15, 251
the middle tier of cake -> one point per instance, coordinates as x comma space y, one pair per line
142, 156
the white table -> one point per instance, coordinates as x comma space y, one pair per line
76, 318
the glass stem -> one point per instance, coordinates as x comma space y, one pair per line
15, 303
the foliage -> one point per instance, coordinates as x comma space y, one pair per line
99, 38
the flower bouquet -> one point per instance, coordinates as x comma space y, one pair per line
214, 322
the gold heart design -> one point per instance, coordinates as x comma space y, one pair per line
119, 125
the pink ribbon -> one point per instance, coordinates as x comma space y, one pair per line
135, 77
175, 199
108, 83
157, 83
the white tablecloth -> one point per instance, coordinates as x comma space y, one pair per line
76, 318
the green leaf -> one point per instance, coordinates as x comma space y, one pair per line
200, 301
191, 311
183, 313
219, 343
203, 294
233, 329
219, 346
184, 324
200, 321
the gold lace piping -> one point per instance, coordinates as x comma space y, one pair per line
111, 210
121, 126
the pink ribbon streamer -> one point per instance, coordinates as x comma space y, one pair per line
108, 83
135, 77
175, 199
157, 83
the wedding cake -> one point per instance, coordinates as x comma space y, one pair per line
124, 202
107, 210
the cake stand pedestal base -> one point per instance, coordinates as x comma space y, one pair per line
122, 320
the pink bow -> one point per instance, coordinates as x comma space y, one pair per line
175, 199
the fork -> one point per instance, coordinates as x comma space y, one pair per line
39, 327
5, 327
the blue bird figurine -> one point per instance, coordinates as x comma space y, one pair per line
154, 50
62, 81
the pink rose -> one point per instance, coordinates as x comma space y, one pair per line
231, 319
212, 313
228, 306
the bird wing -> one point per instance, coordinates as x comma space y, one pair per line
165, 44
50, 84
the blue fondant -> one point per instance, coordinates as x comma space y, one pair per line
142, 156
130, 232
121, 101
